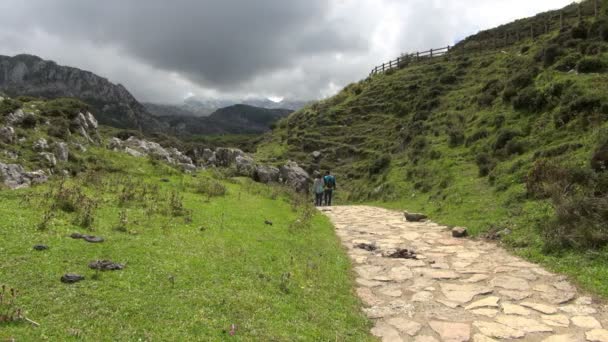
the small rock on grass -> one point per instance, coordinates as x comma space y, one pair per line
87, 238
414, 217
41, 247
70, 278
459, 232
106, 265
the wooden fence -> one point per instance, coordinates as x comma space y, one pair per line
497, 38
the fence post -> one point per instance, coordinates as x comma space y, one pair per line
532, 31
431, 53
561, 21
596, 8
382, 67
417, 56
546, 27
580, 13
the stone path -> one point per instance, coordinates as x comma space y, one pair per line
458, 289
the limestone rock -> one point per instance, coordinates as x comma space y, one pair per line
485, 312
7, 134
482, 338
510, 283
578, 309
62, 151
459, 232
556, 320
295, 177
463, 293
546, 309
498, 330
451, 332
386, 332
40, 145
48, 158
513, 309
597, 335
587, 322
226, 157
489, 302
245, 166
404, 325
523, 324
560, 338
266, 174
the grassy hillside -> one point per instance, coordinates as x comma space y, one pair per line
200, 261
501, 142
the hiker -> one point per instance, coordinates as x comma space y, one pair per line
330, 185
318, 187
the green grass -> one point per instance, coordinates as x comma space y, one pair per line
189, 275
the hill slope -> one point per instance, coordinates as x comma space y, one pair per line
237, 119
27, 75
510, 142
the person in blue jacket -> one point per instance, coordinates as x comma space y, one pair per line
330, 185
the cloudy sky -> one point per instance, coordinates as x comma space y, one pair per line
163, 51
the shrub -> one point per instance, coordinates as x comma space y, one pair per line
448, 79
508, 93
550, 55
485, 163
379, 164
529, 99
504, 136
8, 106
64, 107
29, 121
455, 137
481, 134
590, 64
499, 120
579, 31
59, 128
210, 187
434, 155
515, 146
568, 62
485, 100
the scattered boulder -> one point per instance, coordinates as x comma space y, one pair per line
70, 278
133, 152
226, 157
208, 157
15, 177
87, 238
105, 265
295, 177
459, 232
48, 158
115, 144
15, 118
41, 247
7, 134
414, 217
86, 125
268, 222
62, 151
316, 155
40, 145
266, 174
245, 166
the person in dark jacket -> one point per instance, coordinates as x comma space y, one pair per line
330, 185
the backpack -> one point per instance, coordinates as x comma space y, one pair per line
330, 182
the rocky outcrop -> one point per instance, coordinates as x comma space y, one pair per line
86, 125
245, 165
114, 105
14, 176
40, 145
15, 118
226, 157
266, 174
140, 148
48, 159
62, 151
7, 134
295, 176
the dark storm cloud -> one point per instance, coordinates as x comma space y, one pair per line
215, 42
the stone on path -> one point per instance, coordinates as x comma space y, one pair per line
425, 338
482, 338
459, 232
476, 278
405, 326
556, 320
510, 283
490, 302
587, 322
451, 332
440, 274
546, 309
514, 309
463, 293
515, 295
578, 310
367, 296
523, 324
414, 217
498, 330
597, 335
560, 338
386, 332
485, 312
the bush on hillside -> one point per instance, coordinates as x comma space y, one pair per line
59, 128
379, 164
455, 137
530, 100
568, 62
8, 106
599, 29
589, 65
485, 100
485, 163
515, 146
580, 31
522, 79
503, 138
481, 134
499, 120
29, 121
64, 107
549, 55
448, 79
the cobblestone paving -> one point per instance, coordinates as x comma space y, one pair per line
458, 289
